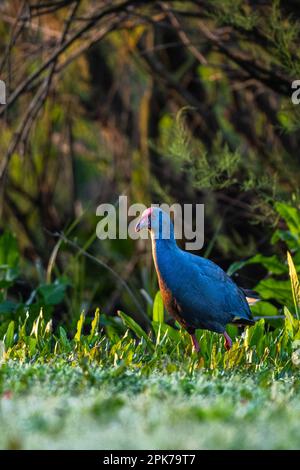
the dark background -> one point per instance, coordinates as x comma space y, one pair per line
185, 102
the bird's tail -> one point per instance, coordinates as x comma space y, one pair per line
242, 321
251, 296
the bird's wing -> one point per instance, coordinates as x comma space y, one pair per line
233, 296
209, 268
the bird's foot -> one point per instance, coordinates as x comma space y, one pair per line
195, 343
228, 341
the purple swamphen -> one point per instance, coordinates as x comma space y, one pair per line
195, 291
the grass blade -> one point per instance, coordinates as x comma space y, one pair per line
95, 324
79, 327
294, 284
132, 325
9, 337
158, 308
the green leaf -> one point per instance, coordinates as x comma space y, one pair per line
235, 267
9, 336
158, 308
274, 289
95, 324
133, 326
262, 308
7, 276
255, 333
163, 331
2, 352
52, 294
271, 263
63, 338
291, 215
291, 324
9, 252
32, 343
48, 329
294, 284
22, 330
8, 307
79, 327
287, 237
37, 326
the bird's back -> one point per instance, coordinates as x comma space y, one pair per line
199, 291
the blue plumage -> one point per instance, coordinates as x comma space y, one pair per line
196, 291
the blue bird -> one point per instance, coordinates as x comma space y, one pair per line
195, 291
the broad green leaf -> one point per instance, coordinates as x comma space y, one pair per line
271, 263
274, 289
291, 215
294, 284
287, 237
132, 325
262, 308
52, 294
158, 308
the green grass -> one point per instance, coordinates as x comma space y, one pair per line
114, 386
111, 385
60, 405
120, 388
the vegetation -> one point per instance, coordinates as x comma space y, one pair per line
111, 371
61, 406
186, 102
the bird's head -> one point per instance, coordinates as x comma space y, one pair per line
157, 222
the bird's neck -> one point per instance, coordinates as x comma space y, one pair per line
164, 240
164, 252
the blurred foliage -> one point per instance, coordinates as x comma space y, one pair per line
275, 285
185, 102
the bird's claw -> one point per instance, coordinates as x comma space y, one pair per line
195, 343
228, 342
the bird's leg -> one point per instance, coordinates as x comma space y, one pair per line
228, 341
195, 343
